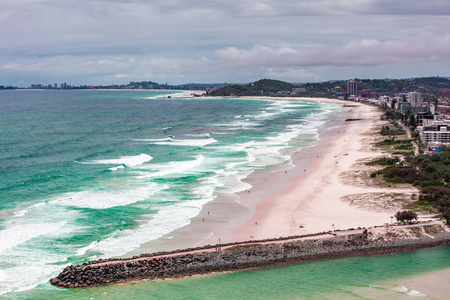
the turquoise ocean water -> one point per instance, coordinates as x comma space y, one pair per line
88, 174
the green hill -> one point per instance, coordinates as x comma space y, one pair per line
427, 85
259, 88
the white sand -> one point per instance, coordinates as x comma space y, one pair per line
313, 199
280, 202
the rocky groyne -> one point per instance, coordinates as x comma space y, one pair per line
251, 255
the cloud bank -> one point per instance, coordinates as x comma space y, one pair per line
179, 41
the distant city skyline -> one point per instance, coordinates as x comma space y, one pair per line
113, 42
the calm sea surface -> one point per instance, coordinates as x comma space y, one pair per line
89, 174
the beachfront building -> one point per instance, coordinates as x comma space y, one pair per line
352, 87
436, 133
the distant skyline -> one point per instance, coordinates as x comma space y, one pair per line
178, 41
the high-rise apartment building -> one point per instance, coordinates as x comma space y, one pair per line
352, 87
415, 98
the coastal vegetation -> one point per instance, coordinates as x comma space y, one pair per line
263, 87
368, 87
397, 144
392, 130
429, 173
433, 85
405, 216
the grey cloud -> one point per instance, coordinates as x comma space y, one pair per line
363, 53
225, 39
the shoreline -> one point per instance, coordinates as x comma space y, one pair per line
292, 203
226, 214
312, 202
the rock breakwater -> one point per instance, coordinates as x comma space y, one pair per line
250, 255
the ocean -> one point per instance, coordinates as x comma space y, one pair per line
86, 174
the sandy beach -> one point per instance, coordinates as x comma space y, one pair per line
304, 199
313, 201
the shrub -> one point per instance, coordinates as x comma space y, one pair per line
443, 206
405, 215
434, 193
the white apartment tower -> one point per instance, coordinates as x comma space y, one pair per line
352, 87
415, 98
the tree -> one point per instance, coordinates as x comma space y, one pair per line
412, 122
443, 206
433, 193
405, 215
405, 119
393, 104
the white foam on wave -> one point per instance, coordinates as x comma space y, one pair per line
28, 265
27, 276
240, 123
405, 290
19, 234
415, 293
166, 220
233, 165
400, 288
277, 108
270, 151
25, 211
173, 167
238, 147
117, 168
21, 213
171, 141
169, 138
263, 156
267, 114
231, 179
187, 142
199, 134
130, 161
31, 245
102, 199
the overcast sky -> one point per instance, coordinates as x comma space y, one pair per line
180, 41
